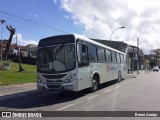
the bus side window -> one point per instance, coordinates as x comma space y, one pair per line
118, 58
84, 55
101, 55
82, 52
92, 50
114, 58
108, 56
122, 58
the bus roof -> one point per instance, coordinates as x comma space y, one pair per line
96, 43
42, 41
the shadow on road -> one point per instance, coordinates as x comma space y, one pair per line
48, 98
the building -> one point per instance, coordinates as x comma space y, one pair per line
3, 44
155, 57
32, 50
135, 58
29, 50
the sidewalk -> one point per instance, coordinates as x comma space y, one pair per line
135, 74
13, 89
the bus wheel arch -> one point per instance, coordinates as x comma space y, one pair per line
95, 82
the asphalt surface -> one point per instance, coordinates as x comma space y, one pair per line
134, 94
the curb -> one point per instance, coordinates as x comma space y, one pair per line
135, 75
23, 94
131, 76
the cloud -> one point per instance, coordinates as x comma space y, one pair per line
55, 1
66, 17
36, 16
141, 19
22, 41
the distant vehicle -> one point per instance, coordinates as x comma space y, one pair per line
159, 67
73, 63
155, 68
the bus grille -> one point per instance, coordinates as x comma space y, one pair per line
53, 81
54, 76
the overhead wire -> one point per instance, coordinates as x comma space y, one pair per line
34, 22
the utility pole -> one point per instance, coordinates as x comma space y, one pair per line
2, 21
138, 55
133, 61
16, 40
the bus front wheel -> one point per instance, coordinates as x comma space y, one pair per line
94, 84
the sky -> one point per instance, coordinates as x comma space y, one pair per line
37, 19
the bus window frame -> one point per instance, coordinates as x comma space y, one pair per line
103, 54
115, 61
84, 62
110, 56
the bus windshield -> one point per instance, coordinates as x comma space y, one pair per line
59, 58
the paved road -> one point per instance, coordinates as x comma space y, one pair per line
137, 94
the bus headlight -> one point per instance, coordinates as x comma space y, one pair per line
39, 79
70, 78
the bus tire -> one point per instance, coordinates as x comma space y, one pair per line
94, 87
119, 77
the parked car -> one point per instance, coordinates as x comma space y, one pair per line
155, 68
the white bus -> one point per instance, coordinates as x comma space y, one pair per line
73, 63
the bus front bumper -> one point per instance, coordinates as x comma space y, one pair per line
56, 87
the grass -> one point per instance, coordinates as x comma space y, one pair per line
12, 76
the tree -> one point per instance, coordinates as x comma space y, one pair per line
20, 63
19, 59
12, 32
154, 57
156, 54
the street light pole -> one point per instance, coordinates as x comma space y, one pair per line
2, 21
138, 55
115, 30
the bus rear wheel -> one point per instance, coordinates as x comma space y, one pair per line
94, 84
